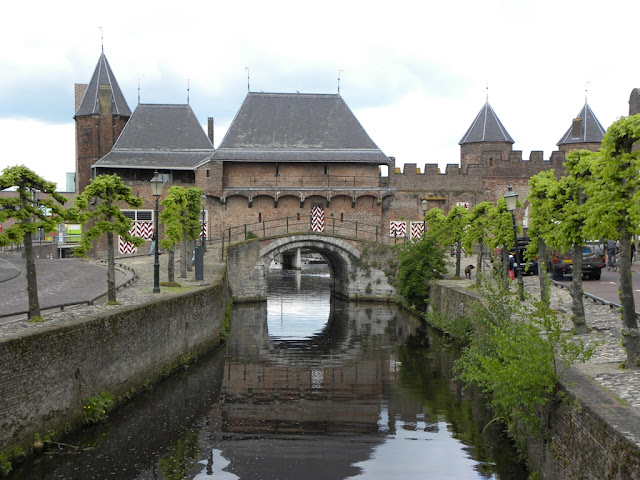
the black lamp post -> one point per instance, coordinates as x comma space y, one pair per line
156, 190
423, 206
511, 198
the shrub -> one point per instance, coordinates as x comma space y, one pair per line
419, 262
95, 408
512, 358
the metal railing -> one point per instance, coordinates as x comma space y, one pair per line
88, 301
593, 298
300, 224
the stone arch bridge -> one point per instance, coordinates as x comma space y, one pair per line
248, 262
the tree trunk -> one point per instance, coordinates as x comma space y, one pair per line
458, 258
111, 268
171, 270
479, 262
183, 259
543, 273
577, 307
630, 333
505, 265
190, 253
32, 281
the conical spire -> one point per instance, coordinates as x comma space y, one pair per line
585, 128
103, 77
487, 127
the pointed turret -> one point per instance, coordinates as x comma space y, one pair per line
585, 132
486, 140
101, 114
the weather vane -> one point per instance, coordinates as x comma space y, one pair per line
101, 39
188, 80
248, 88
339, 73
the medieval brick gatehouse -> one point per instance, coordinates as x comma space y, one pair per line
289, 154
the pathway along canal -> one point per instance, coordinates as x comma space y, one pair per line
307, 387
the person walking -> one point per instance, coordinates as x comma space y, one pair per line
633, 251
612, 249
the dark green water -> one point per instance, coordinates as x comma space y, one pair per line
307, 387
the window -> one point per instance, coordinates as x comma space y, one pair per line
139, 215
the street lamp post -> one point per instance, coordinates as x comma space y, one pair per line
423, 206
156, 190
511, 198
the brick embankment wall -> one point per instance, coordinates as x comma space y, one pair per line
46, 378
594, 435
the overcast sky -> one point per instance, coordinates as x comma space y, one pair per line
414, 73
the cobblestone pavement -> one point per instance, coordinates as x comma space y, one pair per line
605, 325
138, 292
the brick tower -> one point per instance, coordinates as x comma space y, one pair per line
486, 141
101, 114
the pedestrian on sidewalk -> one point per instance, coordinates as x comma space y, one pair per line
612, 249
633, 251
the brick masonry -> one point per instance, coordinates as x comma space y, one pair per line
45, 378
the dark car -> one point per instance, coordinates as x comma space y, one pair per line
526, 267
593, 261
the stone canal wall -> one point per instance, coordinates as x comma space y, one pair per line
593, 435
46, 378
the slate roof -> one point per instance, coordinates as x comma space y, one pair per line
487, 127
103, 75
160, 136
294, 127
591, 131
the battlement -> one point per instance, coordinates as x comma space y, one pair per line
486, 167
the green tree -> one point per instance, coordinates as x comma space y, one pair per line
456, 223
419, 263
173, 216
542, 210
569, 224
448, 230
501, 233
614, 212
31, 213
99, 204
193, 225
477, 233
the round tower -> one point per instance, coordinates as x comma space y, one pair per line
486, 140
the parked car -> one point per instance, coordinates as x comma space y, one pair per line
525, 267
593, 261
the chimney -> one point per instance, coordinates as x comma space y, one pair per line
576, 128
80, 89
211, 129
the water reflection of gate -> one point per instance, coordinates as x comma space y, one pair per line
333, 382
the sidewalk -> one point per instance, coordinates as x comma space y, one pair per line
95, 279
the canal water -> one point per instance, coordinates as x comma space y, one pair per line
307, 387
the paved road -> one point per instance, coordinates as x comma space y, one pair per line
607, 287
59, 281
